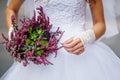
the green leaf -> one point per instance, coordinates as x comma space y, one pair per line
37, 48
40, 32
28, 41
39, 52
37, 29
25, 48
44, 43
32, 43
30, 30
34, 36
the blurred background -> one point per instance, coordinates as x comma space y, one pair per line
5, 59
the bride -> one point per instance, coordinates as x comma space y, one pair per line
83, 56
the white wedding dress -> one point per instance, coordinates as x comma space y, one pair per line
97, 62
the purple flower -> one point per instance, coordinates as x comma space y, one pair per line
34, 41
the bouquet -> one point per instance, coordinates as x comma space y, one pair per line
34, 41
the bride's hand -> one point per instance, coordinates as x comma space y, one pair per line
74, 46
77, 45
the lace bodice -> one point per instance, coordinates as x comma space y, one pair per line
64, 12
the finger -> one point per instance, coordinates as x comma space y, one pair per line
68, 41
79, 45
74, 48
70, 50
72, 44
78, 51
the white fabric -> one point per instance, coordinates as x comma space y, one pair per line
97, 62
9, 32
111, 11
87, 37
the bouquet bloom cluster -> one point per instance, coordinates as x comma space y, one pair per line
34, 41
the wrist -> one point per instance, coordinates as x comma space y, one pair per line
88, 37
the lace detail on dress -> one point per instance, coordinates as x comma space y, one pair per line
64, 12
